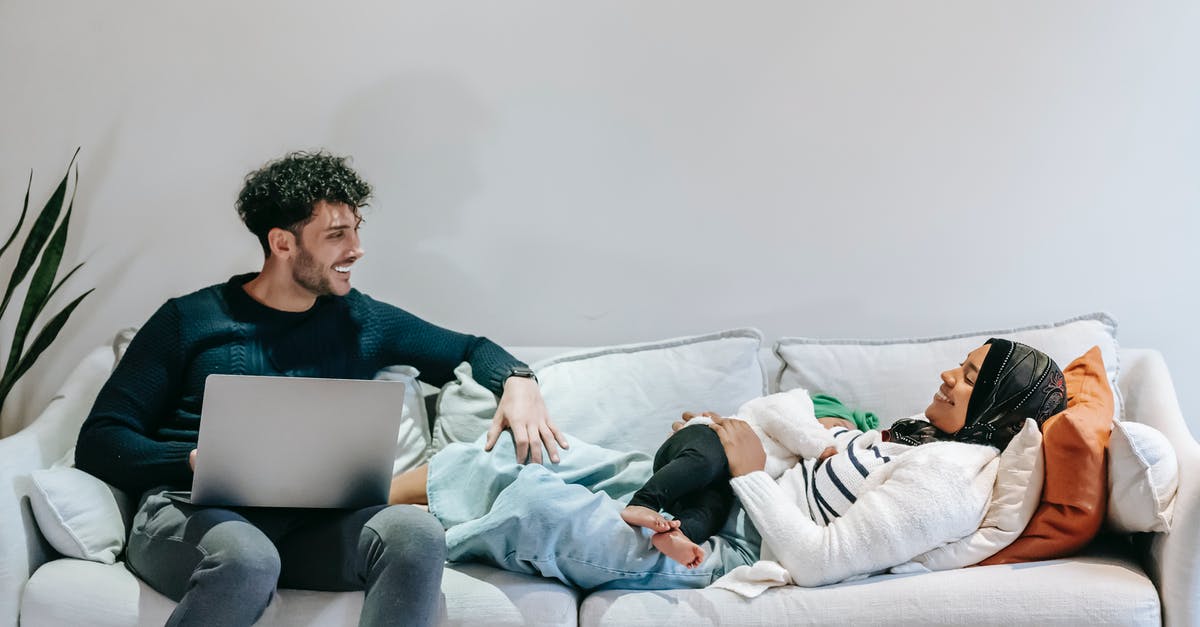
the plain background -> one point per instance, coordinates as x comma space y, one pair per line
567, 173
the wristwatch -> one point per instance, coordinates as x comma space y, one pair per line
524, 372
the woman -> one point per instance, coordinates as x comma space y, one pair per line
566, 522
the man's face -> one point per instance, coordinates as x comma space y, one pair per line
326, 248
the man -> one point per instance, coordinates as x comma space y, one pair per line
298, 316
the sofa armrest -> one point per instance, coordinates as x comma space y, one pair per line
1171, 559
46, 440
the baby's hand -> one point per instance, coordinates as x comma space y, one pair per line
828, 452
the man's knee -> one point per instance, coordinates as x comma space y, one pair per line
242, 552
409, 534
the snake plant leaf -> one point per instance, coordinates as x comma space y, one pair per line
40, 285
40, 343
21, 220
42, 228
54, 290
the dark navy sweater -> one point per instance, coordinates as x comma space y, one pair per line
146, 419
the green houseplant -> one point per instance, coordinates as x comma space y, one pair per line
42, 252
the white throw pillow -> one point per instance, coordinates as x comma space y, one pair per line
1015, 497
1143, 477
78, 513
897, 378
622, 397
120, 343
413, 440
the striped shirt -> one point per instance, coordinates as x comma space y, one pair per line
835, 483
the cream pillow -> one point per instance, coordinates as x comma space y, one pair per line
1143, 477
413, 440
1015, 496
897, 378
79, 515
621, 397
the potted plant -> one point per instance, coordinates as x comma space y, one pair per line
42, 252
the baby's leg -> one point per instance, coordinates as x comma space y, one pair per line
702, 514
640, 516
688, 461
676, 546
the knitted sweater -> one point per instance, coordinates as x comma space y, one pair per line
925, 497
146, 418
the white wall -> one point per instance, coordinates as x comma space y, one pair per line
556, 172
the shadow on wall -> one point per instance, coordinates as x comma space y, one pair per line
416, 138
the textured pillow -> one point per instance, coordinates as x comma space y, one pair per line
120, 343
78, 514
1015, 496
1075, 442
1143, 476
621, 397
897, 378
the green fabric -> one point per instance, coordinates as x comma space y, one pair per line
826, 406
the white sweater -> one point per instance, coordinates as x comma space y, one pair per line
925, 497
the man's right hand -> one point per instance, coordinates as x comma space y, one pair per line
192, 460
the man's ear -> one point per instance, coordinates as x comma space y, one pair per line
282, 243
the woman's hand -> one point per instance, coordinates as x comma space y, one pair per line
743, 449
687, 415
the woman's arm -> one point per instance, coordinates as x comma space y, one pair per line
920, 506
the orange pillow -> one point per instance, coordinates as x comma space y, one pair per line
1075, 444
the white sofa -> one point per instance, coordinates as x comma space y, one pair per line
1147, 579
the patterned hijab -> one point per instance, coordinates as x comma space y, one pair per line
1015, 382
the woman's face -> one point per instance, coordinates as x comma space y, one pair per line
948, 411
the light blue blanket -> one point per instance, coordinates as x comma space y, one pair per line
563, 520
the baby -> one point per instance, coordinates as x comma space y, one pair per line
691, 475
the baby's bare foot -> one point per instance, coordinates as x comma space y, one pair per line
676, 546
639, 516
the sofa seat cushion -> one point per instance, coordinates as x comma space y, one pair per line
78, 592
1093, 590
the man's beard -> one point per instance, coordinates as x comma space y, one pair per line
310, 275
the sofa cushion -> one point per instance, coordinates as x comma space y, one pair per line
897, 378
1143, 476
622, 397
80, 515
1015, 495
76, 592
1075, 442
1104, 589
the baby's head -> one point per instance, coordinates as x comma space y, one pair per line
986, 398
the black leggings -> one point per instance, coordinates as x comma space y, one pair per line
691, 482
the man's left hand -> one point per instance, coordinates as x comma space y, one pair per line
524, 412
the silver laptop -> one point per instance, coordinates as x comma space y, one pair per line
296, 442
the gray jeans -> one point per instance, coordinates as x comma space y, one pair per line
222, 565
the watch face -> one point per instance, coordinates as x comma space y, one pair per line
521, 371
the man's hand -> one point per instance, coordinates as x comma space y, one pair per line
192, 460
524, 412
687, 415
743, 449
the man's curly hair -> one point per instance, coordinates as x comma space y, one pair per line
282, 193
